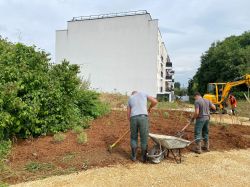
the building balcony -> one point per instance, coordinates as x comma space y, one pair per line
169, 90
168, 77
161, 74
169, 65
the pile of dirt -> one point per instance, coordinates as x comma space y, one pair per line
105, 131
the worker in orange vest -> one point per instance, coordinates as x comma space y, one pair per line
233, 103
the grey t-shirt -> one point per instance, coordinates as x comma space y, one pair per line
204, 106
138, 104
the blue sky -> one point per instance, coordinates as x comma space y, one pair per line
188, 26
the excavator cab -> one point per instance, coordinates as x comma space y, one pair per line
214, 92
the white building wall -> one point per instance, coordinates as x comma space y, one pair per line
118, 53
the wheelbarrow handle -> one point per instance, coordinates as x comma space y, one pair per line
195, 140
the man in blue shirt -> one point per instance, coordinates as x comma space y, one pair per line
138, 115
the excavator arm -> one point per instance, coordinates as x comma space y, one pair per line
242, 80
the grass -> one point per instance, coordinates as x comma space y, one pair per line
115, 100
225, 125
156, 114
37, 166
59, 137
3, 184
85, 165
5, 147
173, 105
63, 171
118, 100
243, 108
68, 157
82, 138
165, 115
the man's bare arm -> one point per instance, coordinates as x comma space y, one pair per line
213, 107
196, 113
153, 102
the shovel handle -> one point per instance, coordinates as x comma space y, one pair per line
120, 138
185, 126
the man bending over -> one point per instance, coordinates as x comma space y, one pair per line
138, 115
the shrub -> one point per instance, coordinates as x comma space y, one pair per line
82, 138
165, 115
59, 137
39, 98
77, 129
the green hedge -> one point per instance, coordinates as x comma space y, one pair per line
38, 98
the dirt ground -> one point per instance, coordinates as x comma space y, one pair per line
71, 157
229, 168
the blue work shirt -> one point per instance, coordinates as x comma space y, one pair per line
138, 104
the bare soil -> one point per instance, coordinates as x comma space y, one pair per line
71, 156
216, 168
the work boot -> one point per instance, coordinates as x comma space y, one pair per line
197, 148
206, 146
144, 155
133, 154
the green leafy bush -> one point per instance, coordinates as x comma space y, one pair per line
39, 98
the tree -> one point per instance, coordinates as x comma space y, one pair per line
177, 85
223, 62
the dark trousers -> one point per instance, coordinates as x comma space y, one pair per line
139, 124
201, 130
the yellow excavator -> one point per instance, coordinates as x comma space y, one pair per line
218, 92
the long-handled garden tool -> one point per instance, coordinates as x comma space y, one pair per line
181, 133
117, 141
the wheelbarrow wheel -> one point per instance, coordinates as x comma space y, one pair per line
156, 155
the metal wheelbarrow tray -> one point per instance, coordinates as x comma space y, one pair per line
169, 144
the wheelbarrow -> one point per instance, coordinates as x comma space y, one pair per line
164, 145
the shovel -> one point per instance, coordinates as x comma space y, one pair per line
181, 133
117, 141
